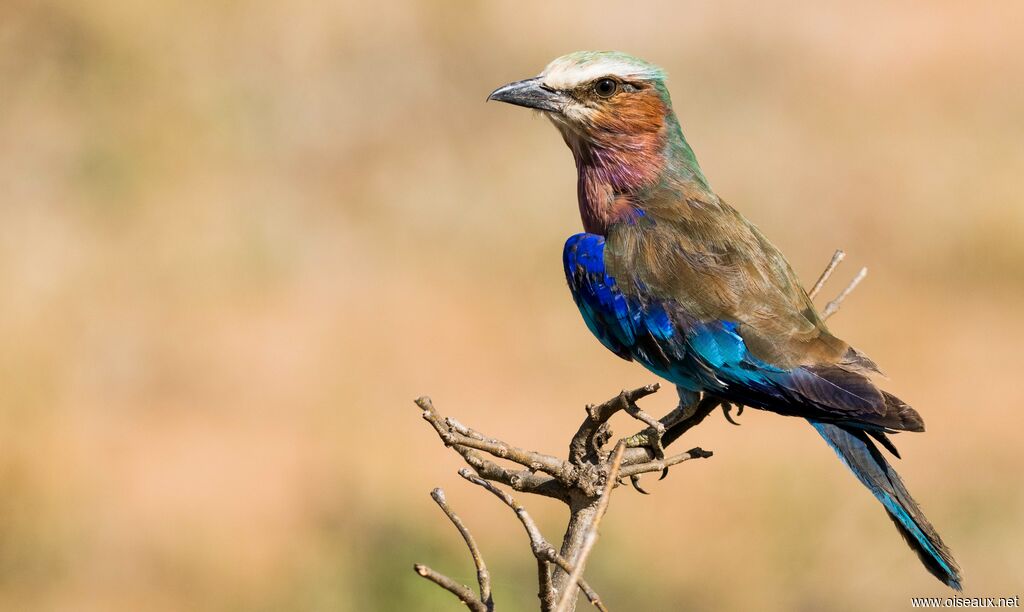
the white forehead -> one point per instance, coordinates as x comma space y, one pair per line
574, 69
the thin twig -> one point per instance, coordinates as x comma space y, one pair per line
524, 480
568, 594
833, 306
827, 272
637, 413
658, 466
604, 411
483, 577
545, 586
463, 592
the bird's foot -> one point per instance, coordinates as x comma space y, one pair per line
650, 439
727, 411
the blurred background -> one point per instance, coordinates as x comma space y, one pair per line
237, 239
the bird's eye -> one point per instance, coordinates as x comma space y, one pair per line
606, 88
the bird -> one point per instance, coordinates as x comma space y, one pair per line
667, 274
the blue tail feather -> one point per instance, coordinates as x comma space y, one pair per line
867, 463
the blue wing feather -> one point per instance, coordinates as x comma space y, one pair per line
712, 355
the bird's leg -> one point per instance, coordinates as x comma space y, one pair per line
679, 414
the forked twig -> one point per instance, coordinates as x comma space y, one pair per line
833, 306
483, 577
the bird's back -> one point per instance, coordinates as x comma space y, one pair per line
694, 249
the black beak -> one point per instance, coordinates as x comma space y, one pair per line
531, 93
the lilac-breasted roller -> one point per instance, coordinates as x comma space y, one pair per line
669, 275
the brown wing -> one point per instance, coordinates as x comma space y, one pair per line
718, 266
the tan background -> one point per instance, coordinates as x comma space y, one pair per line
237, 239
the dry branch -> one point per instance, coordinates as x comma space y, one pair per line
584, 483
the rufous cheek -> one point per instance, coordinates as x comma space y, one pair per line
637, 113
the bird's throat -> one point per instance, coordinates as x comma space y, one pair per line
618, 184
611, 181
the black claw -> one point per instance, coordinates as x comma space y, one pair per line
635, 479
664, 473
727, 410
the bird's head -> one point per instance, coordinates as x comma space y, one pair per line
614, 112
605, 99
